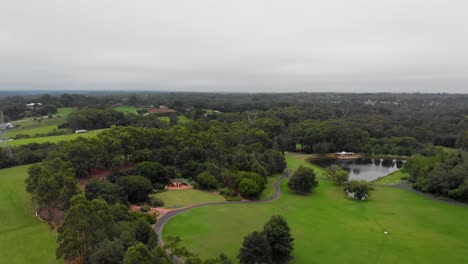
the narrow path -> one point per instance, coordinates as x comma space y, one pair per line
405, 186
159, 226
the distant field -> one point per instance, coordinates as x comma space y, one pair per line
182, 198
181, 119
126, 109
23, 238
392, 178
33, 127
65, 111
52, 139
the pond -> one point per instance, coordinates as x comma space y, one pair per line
364, 168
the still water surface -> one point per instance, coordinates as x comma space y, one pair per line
364, 169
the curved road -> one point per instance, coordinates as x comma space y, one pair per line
161, 222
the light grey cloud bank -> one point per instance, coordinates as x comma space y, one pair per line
245, 45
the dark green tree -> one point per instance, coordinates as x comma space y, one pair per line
303, 180
137, 188
255, 249
138, 254
153, 171
278, 234
249, 188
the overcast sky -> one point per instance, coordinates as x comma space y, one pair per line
239, 45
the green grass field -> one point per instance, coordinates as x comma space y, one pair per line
65, 111
329, 228
181, 119
392, 178
31, 127
126, 109
23, 238
182, 198
52, 139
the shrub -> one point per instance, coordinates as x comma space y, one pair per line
359, 190
159, 186
249, 188
228, 192
145, 208
156, 202
207, 180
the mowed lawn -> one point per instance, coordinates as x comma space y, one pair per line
183, 198
329, 228
126, 109
53, 139
392, 178
23, 238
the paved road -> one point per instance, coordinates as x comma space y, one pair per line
161, 222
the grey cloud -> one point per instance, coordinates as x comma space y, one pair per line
246, 46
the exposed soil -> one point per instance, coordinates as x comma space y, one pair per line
56, 214
180, 187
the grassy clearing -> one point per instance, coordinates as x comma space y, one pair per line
183, 119
31, 131
183, 198
126, 109
23, 238
35, 127
65, 111
52, 139
329, 228
392, 178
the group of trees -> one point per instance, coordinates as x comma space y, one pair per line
439, 173
236, 156
96, 232
274, 244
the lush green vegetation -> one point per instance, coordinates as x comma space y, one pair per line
53, 139
392, 178
328, 227
233, 149
126, 109
23, 237
441, 173
65, 111
183, 198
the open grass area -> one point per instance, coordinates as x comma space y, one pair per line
33, 131
126, 109
329, 228
52, 139
182, 198
181, 119
23, 237
65, 111
392, 178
